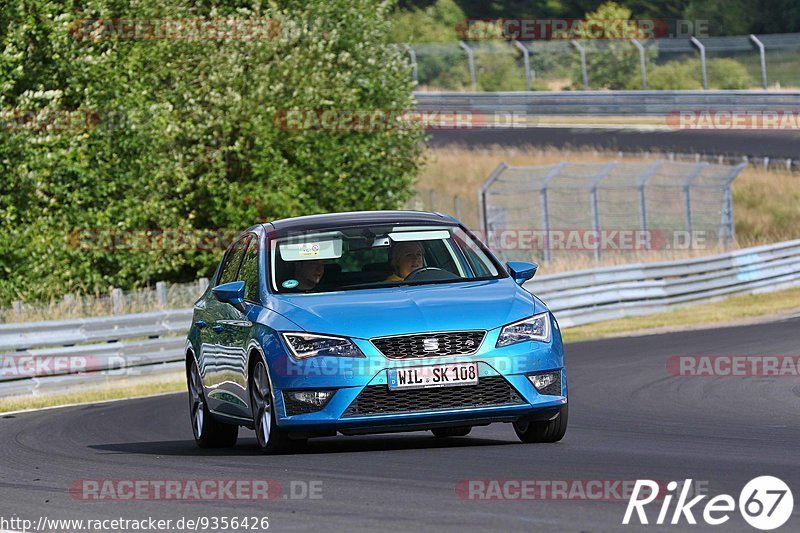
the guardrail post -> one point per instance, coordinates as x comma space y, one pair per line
641, 186
595, 207
161, 294
545, 208
413, 55
702, 50
687, 197
482, 198
642, 62
726, 225
117, 301
471, 60
527, 61
763, 56
584, 73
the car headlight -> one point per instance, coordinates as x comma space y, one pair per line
535, 328
305, 345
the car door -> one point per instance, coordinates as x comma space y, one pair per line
214, 335
235, 328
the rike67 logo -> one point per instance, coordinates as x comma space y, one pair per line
765, 503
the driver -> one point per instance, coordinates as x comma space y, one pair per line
405, 257
309, 273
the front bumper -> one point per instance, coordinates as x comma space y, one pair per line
351, 378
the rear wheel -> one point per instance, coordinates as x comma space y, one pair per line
208, 433
543, 431
271, 438
452, 432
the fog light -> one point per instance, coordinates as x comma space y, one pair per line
299, 402
547, 382
317, 398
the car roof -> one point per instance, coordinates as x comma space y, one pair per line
357, 218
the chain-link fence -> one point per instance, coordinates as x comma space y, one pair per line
570, 209
740, 62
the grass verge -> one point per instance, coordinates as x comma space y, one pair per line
127, 388
723, 312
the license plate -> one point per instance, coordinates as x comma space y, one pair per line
423, 377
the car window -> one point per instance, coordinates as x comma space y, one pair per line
232, 261
361, 257
249, 271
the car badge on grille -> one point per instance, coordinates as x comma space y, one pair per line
430, 345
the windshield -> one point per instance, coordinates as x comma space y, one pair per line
377, 256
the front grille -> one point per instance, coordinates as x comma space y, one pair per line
430, 344
378, 399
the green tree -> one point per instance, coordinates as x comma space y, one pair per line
188, 136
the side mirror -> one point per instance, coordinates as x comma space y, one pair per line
230, 293
521, 271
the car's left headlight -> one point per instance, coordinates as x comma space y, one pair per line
535, 328
305, 345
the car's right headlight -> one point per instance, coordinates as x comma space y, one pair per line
535, 328
305, 345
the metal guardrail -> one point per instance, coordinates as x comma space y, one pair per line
152, 343
587, 296
656, 103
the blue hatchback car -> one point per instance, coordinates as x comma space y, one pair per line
370, 322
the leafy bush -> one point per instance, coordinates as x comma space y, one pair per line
194, 142
687, 75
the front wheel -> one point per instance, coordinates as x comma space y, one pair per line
543, 431
271, 438
208, 433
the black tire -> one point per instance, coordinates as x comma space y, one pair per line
208, 432
271, 438
452, 432
543, 431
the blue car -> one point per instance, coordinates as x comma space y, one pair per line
370, 322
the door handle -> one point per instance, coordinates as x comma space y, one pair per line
201, 324
217, 328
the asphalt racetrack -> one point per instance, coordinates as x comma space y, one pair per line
629, 418
774, 144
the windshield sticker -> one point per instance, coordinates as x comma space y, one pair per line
290, 284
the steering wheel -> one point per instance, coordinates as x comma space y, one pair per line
430, 274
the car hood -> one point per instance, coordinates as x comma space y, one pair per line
371, 313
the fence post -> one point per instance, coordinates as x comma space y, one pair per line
582, 53
762, 54
69, 304
545, 208
641, 185
527, 61
433, 199
482, 198
702, 50
642, 63
687, 197
413, 55
202, 285
117, 301
161, 294
457, 206
726, 222
16, 306
471, 62
595, 207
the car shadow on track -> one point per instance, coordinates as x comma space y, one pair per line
342, 444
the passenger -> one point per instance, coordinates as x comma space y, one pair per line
405, 257
309, 273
